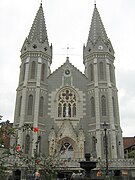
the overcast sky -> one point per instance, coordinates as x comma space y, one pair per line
68, 22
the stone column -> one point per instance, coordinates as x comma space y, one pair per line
111, 114
97, 110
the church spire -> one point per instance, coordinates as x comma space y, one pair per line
38, 30
97, 37
97, 28
37, 39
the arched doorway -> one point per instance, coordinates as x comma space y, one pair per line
17, 174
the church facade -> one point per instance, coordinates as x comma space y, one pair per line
66, 111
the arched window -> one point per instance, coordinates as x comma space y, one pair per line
30, 105
41, 106
33, 70
111, 72
66, 103
101, 71
43, 72
19, 107
92, 102
74, 110
23, 72
59, 110
103, 105
27, 144
113, 103
69, 109
91, 72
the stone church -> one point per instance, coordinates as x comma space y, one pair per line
67, 110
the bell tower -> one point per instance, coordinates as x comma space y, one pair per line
36, 58
98, 58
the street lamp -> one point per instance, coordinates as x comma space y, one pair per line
36, 155
106, 146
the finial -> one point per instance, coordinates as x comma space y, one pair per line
67, 49
41, 3
95, 3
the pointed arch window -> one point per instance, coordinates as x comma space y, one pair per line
41, 106
74, 110
43, 72
66, 103
111, 72
23, 71
113, 103
91, 72
92, 102
33, 70
19, 107
103, 105
59, 110
30, 105
27, 144
101, 71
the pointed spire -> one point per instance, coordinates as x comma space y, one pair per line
38, 30
97, 38
95, 3
97, 29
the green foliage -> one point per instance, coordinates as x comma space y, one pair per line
2, 172
132, 154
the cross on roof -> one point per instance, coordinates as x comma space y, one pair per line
67, 48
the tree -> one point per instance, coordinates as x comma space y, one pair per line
131, 154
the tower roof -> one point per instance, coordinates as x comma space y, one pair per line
38, 30
97, 29
37, 40
97, 39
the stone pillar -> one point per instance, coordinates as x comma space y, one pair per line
97, 110
111, 114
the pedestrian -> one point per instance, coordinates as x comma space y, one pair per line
99, 173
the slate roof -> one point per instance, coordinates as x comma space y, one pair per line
128, 142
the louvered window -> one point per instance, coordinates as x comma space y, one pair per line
103, 105
33, 70
92, 102
101, 71
41, 106
27, 144
30, 105
20, 104
43, 72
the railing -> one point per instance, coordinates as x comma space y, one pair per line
74, 163
118, 163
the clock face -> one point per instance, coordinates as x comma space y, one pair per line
67, 72
100, 47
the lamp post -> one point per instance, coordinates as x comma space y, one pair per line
106, 147
36, 156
